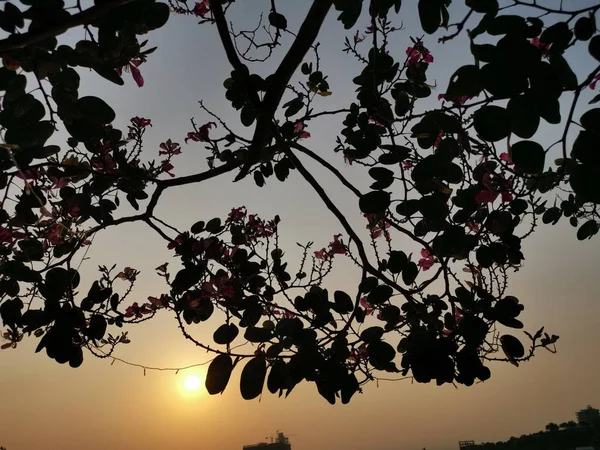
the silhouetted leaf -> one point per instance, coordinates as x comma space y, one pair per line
253, 378
374, 202
492, 123
96, 110
226, 334
512, 347
218, 374
528, 156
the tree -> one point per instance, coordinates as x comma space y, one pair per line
552, 427
441, 181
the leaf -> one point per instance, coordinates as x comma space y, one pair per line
19, 272
584, 28
219, 372
397, 261
185, 279
564, 72
198, 227
483, 6
512, 347
247, 115
214, 226
492, 123
253, 378
410, 272
155, 15
594, 47
552, 215
528, 156
474, 330
350, 11
97, 327
590, 120
255, 334
372, 334
587, 230
374, 202
525, 119
85, 130
278, 20
76, 358
343, 303
110, 74
96, 110
380, 353
430, 15
349, 387
279, 377
30, 135
226, 334
293, 106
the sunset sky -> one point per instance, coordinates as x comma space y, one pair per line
100, 405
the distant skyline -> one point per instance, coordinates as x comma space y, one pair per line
98, 406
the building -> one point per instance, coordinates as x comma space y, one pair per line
466, 445
281, 442
588, 416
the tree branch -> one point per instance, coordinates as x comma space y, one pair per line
18, 41
278, 82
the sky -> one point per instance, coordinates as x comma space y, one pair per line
102, 405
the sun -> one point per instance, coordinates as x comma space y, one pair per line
192, 383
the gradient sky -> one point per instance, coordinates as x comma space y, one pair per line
47, 406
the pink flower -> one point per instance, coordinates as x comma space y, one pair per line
6, 235
140, 122
358, 38
256, 227
418, 53
459, 101
407, 164
299, 130
201, 9
58, 183
486, 196
427, 260
593, 83
458, 316
137, 311
473, 226
222, 285
378, 226
30, 174
162, 268
368, 307
128, 274
506, 158
159, 302
132, 66
167, 167
202, 134
348, 160
169, 148
492, 187
438, 139
375, 121
336, 247
237, 214
544, 48
321, 254
370, 29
